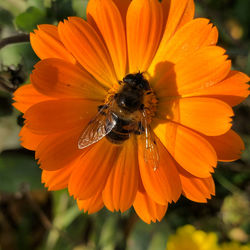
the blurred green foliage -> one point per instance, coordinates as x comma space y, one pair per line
36, 219
17, 168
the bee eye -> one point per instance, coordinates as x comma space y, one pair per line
129, 78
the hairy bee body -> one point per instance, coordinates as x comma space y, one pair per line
123, 115
120, 131
127, 108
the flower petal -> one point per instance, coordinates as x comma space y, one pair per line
59, 150
228, 147
144, 23
196, 189
58, 179
176, 14
26, 96
46, 43
30, 140
188, 148
232, 90
186, 41
91, 172
88, 48
206, 115
147, 209
60, 79
58, 115
123, 7
109, 22
163, 184
91, 205
122, 184
206, 67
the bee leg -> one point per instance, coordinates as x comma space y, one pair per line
140, 129
100, 107
120, 82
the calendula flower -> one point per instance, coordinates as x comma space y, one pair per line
131, 107
188, 238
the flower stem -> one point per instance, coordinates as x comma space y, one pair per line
22, 38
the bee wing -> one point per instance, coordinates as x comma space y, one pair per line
98, 127
151, 153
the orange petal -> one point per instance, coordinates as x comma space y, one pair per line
88, 48
176, 13
91, 205
144, 23
123, 7
228, 147
189, 149
46, 43
26, 96
163, 184
30, 140
196, 189
147, 209
109, 22
232, 90
206, 115
58, 78
122, 184
187, 40
206, 67
58, 150
58, 115
91, 173
58, 179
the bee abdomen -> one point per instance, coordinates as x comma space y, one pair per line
116, 137
120, 132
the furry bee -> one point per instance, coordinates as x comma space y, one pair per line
124, 115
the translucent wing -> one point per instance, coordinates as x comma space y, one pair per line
151, 154
98, 127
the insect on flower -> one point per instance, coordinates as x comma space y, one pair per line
132, 107
125, 114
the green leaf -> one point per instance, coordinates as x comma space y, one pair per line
109, 232
5, 17
159, 239
16, 169
21, 53
61, 9
29, 20
80, 6
153, 236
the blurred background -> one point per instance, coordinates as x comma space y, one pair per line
32, 218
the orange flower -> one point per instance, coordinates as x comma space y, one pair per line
188, 105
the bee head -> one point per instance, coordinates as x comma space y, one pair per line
136, 81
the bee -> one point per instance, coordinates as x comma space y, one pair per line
125, 114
